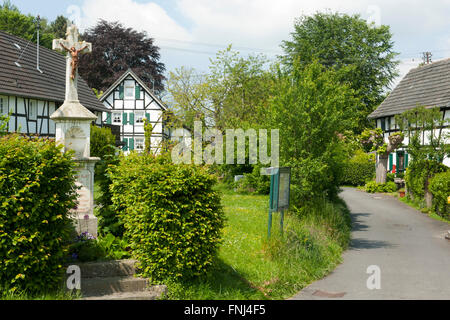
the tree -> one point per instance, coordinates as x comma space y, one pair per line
311, 107
59, 27
188, 96
340, 40
115, 50
235, 93
24, 26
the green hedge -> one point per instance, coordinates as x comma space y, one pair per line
359, 169
254, 182
373, 187
172, 217
37, 190
418, 173
440, 189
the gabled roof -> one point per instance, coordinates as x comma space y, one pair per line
27, 81
427, 86
127, 73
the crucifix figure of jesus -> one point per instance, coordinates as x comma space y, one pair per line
74, 54
74, 48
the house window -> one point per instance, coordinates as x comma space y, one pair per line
140, 116
140, 144
383, 124
32, 112
129, 92
117, 118
3, 108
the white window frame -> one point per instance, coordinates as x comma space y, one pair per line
139, 144
113, 116
128, 88
140, 116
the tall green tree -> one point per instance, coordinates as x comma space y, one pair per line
24, 26
59, 26
311, 108
115, 50
347, 41
234, 94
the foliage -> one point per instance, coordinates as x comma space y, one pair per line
429, 123
108, 219
310, 108
359, 169
234, 94
102, 142
252, 267
115, 247
344, 42
85, 248
440, 189
37, 190
374, 187
417, 176
59, 27
172, 217
116, 49
254, 182
24, 26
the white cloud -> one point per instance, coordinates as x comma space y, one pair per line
148, 17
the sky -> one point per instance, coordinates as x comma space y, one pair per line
190, 32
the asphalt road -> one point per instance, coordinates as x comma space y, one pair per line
408, 249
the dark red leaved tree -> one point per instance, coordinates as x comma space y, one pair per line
115, 50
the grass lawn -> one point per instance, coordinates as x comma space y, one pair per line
249, 266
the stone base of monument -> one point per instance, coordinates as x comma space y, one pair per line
84, 218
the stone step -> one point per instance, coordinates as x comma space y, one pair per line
152, 293
106, 286
108, 269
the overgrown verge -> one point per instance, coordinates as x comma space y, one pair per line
250, 266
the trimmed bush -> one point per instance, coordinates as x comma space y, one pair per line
374, 187
359, 169
37, 190
172, 216
440, 189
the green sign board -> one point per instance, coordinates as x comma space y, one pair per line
280, 183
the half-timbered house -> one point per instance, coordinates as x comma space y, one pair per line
427, 86
32, 86
130, 101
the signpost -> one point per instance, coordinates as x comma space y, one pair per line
280, 183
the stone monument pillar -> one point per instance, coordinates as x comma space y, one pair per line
73, 127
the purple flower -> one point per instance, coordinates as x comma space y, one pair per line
86, 217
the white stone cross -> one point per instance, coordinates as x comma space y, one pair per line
74, 48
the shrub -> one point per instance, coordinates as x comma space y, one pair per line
37, 190
417, 175
172, 216
440, 189
102, 146
108, 219
359, 169
374, 187
254, 182
85, 248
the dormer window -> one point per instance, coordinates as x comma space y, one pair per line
129, 92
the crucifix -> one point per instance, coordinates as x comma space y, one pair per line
74, 48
